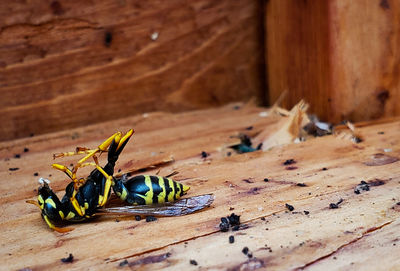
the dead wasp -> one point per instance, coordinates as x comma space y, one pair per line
85, 198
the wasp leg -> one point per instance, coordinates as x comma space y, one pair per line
63, 169
117, 137
77, 183
53, 227
78, 151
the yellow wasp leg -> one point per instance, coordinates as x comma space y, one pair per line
63, 169
125, 137
74, 201
33, 202
117, 137
109, 182
79, 150
57, 229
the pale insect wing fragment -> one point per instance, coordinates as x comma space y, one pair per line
178, 208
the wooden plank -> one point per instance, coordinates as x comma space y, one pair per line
65, 64
330, 167
341, 57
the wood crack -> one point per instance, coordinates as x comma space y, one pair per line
366, 233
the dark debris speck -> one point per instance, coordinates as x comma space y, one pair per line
17, 156
123, 263
36, 174
193, 262
335, 205
289, 207
26, 149
301, 184
266, 180
231, 239
150, 218
236, 228
69, 259
204, 154
234, 219
306, 212
362, 186
138, 217
224, 225
289, 162
13, 168
245, 250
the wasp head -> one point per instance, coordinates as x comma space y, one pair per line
48, 202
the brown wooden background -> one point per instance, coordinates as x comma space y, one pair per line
66, 64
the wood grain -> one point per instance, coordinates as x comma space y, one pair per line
330, 167
66, 64
342, 58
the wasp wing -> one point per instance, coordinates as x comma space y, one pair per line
178, 208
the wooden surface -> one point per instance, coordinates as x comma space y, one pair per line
361, 234
66, 64
342, 57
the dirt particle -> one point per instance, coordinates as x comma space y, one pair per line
36, 174
335, 205
324, 168
17, 156
13, 168
234, 219
289, 162
193, 262
123, 263
247, 181
306, 212
26, 149
245, 250
224, 225
289, 207
291, 168
266, 180
69, 259
301, 184
204, 154
138, 217
231, 239
362, 186
150, 218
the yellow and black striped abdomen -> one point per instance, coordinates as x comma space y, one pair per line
145, 189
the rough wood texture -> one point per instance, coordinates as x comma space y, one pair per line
341, 57
364, 227
66, 64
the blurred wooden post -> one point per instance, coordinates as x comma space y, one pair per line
343, 57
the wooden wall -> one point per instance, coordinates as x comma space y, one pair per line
66, 63
343, 57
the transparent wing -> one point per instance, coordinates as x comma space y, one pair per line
178, 208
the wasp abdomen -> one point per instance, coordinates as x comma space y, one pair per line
146, 190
